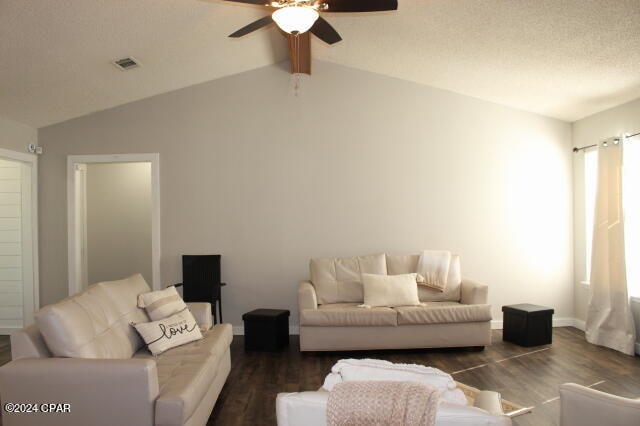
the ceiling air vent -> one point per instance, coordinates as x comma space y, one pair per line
126, 64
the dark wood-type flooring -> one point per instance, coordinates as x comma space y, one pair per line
527, 376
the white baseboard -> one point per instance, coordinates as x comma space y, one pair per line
564, 322
580, 325
5, 331
557, 322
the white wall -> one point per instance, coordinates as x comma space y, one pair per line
356, 163
16, 136
118, 221
588, 131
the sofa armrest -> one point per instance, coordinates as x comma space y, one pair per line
488, 401
28, 343
307, 296
582, 406
473, 293
100, 392
202, 313
302, 409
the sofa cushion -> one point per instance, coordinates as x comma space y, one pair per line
183, 380
96, 322
185, 374
215, 341
339, 279
407, 263
442, 313
348, 314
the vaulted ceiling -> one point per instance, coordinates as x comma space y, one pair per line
560, 58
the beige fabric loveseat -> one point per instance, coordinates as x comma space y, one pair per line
330, 318
113, 380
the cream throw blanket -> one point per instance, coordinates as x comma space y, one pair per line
358, 370
382, 403
433, 266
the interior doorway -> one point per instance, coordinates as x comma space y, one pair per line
113, 218
19, 288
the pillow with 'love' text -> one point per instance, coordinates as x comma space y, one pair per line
167, 333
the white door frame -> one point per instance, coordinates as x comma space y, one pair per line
30, 291
72, 160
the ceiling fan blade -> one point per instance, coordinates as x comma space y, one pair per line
255, 25
325, 32
361, 5
300, 53
260, 2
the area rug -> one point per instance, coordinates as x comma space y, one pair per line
510, 409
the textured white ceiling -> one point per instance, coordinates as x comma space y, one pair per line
55, 55
561, 58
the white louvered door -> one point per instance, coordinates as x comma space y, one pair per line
16, 245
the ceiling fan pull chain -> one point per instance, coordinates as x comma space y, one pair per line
296, 84
298, 81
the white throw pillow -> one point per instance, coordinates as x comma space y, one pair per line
390, 290
170, 332
162, 303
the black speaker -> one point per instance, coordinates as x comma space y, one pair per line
201, 280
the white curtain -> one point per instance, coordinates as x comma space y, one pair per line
609, 322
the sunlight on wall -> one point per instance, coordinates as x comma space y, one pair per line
536, 176
631, 197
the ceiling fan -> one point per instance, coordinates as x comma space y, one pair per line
299, 18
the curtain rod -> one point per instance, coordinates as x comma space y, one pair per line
582, 148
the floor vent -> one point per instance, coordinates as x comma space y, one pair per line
126, 64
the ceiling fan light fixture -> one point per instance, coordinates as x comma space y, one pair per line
295, 19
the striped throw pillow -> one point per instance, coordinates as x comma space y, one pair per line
162, 303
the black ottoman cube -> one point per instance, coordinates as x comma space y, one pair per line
266, 329
527, 325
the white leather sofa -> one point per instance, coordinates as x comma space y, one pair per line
583, 406
117, 381
309, 409
330, 318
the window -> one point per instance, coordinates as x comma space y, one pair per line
631, 197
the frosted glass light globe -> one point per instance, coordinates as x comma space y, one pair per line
292, 19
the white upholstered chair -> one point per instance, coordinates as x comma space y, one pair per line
582, 406
309, 409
